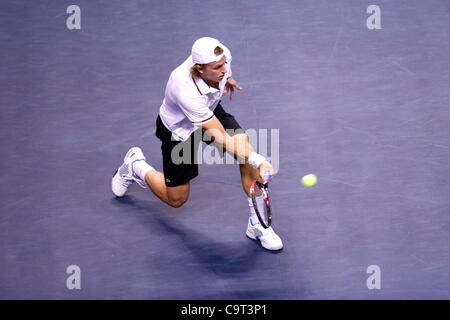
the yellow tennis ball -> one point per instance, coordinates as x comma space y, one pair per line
309, 180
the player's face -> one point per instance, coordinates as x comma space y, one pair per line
215, 71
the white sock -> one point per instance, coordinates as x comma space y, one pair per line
259, 202
141, 168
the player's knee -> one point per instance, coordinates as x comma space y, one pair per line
177, 201
177, 196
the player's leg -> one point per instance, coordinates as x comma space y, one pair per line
136, 169
268, 238
173, 196
248, 175
172, 185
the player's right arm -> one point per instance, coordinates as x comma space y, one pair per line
195, 108
239, 148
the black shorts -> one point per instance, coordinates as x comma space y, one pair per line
180, 172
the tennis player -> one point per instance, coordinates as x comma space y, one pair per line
192, 105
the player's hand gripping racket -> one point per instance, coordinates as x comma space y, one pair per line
259, 193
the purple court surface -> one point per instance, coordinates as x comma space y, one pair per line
356, 94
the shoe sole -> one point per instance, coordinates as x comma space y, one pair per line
250, 235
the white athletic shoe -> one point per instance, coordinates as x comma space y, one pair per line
124, 175
269, 239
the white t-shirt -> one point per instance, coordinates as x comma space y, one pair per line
188, 102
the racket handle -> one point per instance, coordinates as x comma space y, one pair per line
267, 176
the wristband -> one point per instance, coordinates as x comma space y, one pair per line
256, 159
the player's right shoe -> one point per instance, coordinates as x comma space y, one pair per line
124, 175
268, 238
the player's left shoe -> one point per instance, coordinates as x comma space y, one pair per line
268, 238
124, 175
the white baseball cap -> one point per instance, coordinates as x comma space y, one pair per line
203, 50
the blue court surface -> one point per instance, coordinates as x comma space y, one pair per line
366, 109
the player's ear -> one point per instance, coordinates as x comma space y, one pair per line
196, 70
200, 68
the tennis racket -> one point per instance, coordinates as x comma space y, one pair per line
259, 193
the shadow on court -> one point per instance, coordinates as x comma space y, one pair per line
202, 258
222, 258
